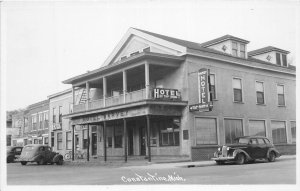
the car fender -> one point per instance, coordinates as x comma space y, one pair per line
277, 154
238, 151
57, 157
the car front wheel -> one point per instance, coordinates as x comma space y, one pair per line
60, 162
271, 157
240, 159
23, 162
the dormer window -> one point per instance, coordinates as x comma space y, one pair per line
242, 51
234, 48
281, 59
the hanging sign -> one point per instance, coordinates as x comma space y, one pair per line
162, 93
203, 91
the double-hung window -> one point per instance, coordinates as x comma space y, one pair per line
278, 59
280, 95
234, 48
60, 116
242, 51
59, 141
53, 116
260, 95
212, 81
69, 140
237, 90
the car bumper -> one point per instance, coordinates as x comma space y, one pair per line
223, 158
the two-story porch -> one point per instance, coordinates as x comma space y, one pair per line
119, 105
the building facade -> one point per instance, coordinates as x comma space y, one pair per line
36, 123
139, 102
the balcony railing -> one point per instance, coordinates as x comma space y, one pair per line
111, 101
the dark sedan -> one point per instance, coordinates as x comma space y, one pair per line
246, 149
13, 153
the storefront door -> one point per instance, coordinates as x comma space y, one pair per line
130, 140
143, 140
94, 143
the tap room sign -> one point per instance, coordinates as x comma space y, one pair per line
161, 93
205, 103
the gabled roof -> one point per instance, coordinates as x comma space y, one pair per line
223, 38
265, 50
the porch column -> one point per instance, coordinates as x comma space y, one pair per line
125, 140
88, 142
104, 91
124, 84
87, 89
104, 140
73, 96
147, 79
73, 141
148, 137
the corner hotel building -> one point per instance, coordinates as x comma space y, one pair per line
137, 103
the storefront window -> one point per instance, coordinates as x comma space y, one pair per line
59, 141
293, 128
233, 129
153, 134
46, 140
35, 141
52, 139
257, 128
85, 139
206, 131
169, 134
8, 140
69, 140
278, 132
118, 135
109, 134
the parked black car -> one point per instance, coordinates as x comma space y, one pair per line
41, 154
246, 149
13, 153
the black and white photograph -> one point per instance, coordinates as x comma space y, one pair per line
149, 94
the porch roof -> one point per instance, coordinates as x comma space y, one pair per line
123, 63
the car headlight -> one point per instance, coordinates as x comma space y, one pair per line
219, 149
228, 148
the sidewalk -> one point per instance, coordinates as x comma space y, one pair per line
159, 163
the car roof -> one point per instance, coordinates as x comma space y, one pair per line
37, 145
249, 137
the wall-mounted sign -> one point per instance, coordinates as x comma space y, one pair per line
203, 91
161, 93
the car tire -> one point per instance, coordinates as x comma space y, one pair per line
220, 162
23, 162
60, 162
41, 161
271, 157
240, 159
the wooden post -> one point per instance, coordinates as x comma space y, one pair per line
104, 91
148, 137
125, 140
73, 141
147, 80
104, 140
124, 85
88, 141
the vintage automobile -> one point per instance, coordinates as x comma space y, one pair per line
41, 154
246, 150
13, 153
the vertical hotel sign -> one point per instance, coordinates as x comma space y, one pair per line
203, 91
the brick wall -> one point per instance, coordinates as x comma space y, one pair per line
203, 153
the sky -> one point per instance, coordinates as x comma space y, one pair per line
47, 42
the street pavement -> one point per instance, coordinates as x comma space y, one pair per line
282, 171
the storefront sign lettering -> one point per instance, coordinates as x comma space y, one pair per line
161, 93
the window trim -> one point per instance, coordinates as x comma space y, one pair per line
216, 98
263, 83
284, 99
286, 130
234, 118
255, 119
291, 131
217, 129
241, 89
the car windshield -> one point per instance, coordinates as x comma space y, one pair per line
29, 148
242, 140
